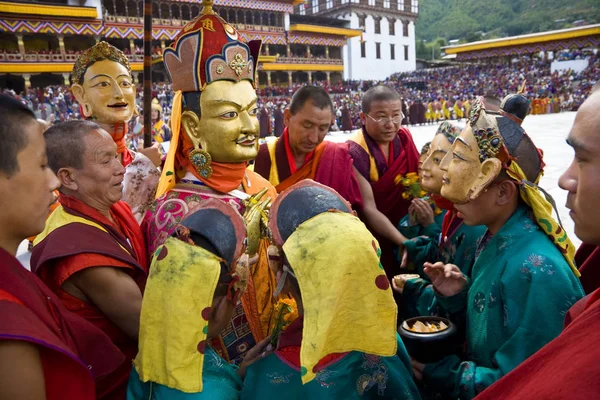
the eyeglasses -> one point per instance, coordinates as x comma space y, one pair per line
384, 120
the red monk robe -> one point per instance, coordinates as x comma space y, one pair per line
566, 368
77, 237
370, 162
587, 259
329, 164
73, 352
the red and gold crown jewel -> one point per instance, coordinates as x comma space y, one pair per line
208, 49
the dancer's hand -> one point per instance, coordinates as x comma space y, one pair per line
447, 279
153, 153
418, 369
259, 351
423, 211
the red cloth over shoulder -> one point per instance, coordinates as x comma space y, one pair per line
73, 352
587, 259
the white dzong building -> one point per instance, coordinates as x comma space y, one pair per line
388, 41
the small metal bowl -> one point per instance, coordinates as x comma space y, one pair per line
429, 347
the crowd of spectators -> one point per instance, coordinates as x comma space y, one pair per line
565, 90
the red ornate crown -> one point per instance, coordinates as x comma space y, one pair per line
209, 49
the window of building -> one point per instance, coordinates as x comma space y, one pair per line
405, 53
378, 50
405, 28
363, 49
392, 23
392, 51
377, 25
407, 5
361, 22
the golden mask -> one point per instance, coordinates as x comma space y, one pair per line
107, 93
228, 128
431, 174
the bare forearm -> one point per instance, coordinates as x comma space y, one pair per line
127, 319
115, 293
382, 226
21, 372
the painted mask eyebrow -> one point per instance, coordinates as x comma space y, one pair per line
464, 142
108, 76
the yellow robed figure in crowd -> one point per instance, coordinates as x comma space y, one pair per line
104, 88
215, 134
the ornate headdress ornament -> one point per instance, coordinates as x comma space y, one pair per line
485, 131
448, 130
209, 49
100, 51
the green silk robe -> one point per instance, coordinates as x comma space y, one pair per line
220, 381
459, 248
520, 290
354, 376
412, 231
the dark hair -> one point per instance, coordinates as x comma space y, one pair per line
225, 276
378, 93
64, 143
191, 102
317, 95
516, 104
12, 135
425, 148
520, 147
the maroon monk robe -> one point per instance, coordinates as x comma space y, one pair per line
334, 169
587, 259
73, 352
566, 368
387, 194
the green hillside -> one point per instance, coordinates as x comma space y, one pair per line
464, 19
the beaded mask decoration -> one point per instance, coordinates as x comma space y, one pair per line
448, 130
485, 131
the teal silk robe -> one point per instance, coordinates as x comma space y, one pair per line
220, 381
520, 290
356, 375
412, 231
459, 248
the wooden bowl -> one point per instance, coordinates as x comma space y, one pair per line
429, 347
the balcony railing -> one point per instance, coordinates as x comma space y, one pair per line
309, 60
179, 22
34, 57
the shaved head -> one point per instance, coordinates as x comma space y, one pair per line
582, 178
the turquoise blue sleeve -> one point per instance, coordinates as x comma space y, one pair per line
535, 298
432, 231
455, 305
418, 298
420, 250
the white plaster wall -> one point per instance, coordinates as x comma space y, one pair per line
89, 3
370, 67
